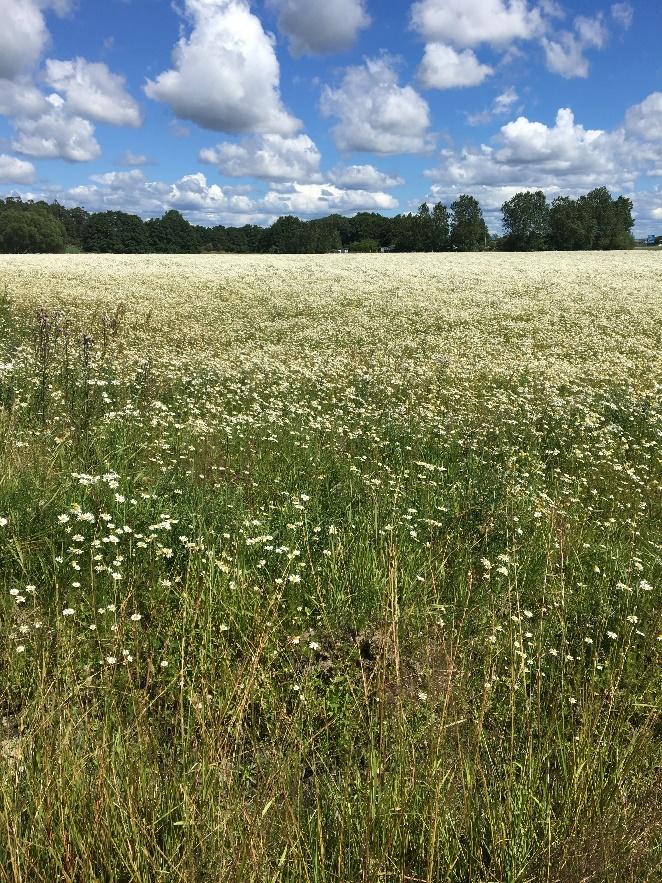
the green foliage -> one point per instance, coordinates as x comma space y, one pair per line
370, 225
32, 232
366, 246
288, 235
430, 230
325, 237
526, 222
566, 221
114, 232
468, 230
594, 221
171, 234
423, 228
404, 233
73, 220
440, 239
609, 220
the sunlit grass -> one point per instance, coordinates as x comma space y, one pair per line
331, 569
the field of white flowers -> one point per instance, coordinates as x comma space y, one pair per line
339, 568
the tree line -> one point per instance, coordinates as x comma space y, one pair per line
530, 223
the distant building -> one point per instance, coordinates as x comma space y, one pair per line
651, 240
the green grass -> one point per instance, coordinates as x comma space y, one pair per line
395, 615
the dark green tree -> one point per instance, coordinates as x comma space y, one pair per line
622, 236
289, 235
365, 246
344, 227
30, 232
237, 241
115, 233
211, 239
440, 228
73, 220
468, 228
607, 222
431, 228
171, 234
423, 228
595, 220
567, 225
403, 233
324, 236
370, 225
253, 236
526, 222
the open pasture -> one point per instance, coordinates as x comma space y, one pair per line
338, 568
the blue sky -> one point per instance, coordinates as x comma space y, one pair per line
234, 111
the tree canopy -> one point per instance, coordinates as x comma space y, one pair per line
595, 220
30, 232
468, 231
526, 222
114, 232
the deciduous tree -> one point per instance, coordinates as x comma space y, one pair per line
468, 228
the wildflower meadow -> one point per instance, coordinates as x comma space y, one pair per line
331, 569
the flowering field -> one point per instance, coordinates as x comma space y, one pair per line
331, 568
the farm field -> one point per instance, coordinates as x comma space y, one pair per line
339, 568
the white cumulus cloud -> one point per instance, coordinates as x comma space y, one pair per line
270, 157
564, 52
129, 158
502, 104
55, 134
316, 27
92, 91
645, 119
648, 210
57, 125
377, 114
20, 97
472, 22
530, 154
193, 194
592, 31
364, 177
120, 180
133, 192
15, 171
559, 147
202, 202
324, 199
623, 14
23, 35
225, 74
445, 68
562, 159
